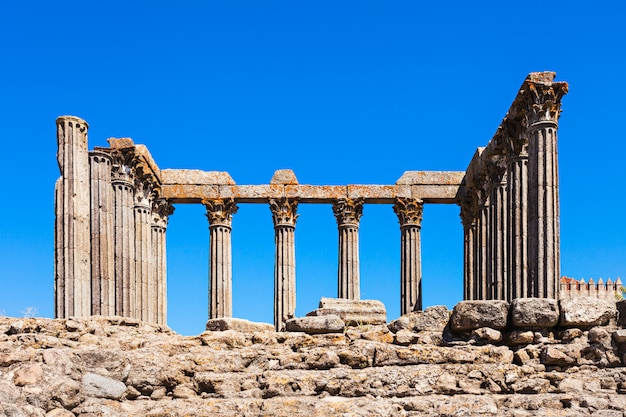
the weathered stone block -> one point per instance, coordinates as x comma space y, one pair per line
534, 312
434, 318
323, 193
373, 193
470, 315
195, 177
102, 387
284, 177
586, 312
240, 325
353, 312
315, 324
431, 177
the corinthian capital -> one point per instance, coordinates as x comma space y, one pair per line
541, 98
161, 210
284, 211
220, 211
348, 211
409, 211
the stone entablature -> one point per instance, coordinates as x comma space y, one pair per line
112, 207
191, 186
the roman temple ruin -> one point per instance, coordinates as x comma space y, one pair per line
113, 204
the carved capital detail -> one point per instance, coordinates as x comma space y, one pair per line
348, 211
220, 211
161, 210
409, 212
124, 162
542, 102
284, 211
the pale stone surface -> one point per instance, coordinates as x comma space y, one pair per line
102, 387
586, 312
240, 325
470, 315
353, 312
431, 177
330, 323
534, 312
195, 177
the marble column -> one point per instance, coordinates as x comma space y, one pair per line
161, 210
284, 217
124, 228
145, 290
220, 214
348, 213
72, 224
102, 235
409, 212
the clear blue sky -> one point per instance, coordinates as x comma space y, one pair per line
340, 92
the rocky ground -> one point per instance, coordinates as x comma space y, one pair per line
416, 365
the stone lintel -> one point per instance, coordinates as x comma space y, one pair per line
196, 177
431, 178
251, 193
317, 194
143, 152
373, 193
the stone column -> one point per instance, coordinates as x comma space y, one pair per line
348, 213
161, 210
72, 224
468, 219
284, 217
517, 219
124, 221
542, 108
102, 235
496, 191
145, 288
409, 213
499, 235
220, 214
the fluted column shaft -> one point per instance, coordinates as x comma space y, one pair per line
161, 210
220, 214
517, 224
72, 225
544, 257
348, 213
124, 220
409, 213
498, 240
284, 217
102, 235
145, 291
